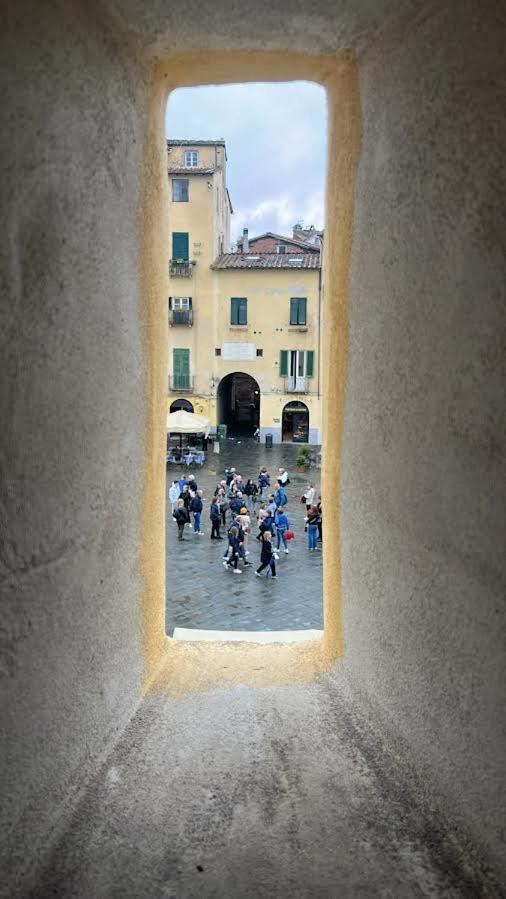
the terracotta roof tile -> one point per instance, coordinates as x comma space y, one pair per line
265, 260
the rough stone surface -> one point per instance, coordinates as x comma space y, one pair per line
256, 793
420, 506
422, 486
202, 594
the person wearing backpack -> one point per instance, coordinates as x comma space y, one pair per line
263, 483
280, 497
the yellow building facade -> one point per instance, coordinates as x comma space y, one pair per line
244, 328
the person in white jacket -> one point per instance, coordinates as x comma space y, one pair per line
309, 495
174, 494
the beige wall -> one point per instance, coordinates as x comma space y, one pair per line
205, 216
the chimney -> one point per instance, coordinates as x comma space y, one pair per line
245, 241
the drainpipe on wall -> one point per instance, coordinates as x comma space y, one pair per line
319, 324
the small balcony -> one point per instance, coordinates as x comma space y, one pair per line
178, 268
181, 317
181, 383
296, 384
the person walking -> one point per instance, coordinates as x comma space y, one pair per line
283, 478
215, 516
312, 520
266, 556
265, 525
196, 507
282, 526
174, 494
233, 550
182, 517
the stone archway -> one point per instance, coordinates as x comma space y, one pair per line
183, 404
239, 403
295, 423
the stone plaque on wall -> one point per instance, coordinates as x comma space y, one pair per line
234, 351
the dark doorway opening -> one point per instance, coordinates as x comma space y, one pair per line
295, 423
185, 405
239, 404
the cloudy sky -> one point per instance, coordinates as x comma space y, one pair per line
276, 147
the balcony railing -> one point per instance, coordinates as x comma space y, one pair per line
181, 383
296, 384
180, 269
181, 317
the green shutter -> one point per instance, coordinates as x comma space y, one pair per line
238, 311
298, 310
180, 245
309, 363
283, 363
181, 368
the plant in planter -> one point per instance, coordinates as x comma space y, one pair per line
302, 460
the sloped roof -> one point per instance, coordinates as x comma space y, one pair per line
189, 170
305, 245
195, 143
266, 260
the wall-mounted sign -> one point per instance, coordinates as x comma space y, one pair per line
234, 351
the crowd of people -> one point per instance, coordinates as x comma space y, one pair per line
238, 505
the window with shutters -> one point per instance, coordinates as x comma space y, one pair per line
180, 246
238, 311
180, 369
191, 159
296, 366
180, 190
298, 311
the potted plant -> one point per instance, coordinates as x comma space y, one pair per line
302, 460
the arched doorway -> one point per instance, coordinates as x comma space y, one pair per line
185, 405
239, 403
295, 423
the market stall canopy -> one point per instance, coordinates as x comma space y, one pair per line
182, 422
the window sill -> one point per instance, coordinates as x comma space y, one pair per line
297, 327
238, 327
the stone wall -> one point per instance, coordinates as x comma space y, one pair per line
420, 508
422, 487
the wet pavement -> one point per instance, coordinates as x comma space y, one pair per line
201, 593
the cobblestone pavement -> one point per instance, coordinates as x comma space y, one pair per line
201, 593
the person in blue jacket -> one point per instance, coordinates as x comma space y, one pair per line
282, 526
280, 497
196, 507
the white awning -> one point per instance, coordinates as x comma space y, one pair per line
182, 422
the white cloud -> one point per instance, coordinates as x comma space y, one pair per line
276, 146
